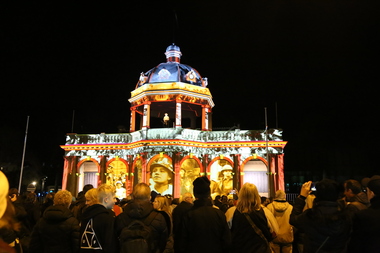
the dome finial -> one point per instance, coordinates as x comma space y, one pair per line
173, 53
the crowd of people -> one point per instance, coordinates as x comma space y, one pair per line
331, 218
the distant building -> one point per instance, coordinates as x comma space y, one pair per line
171, 142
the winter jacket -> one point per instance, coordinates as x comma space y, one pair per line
244, 237
139, 210
357, 203
57, 231
366, 232
205, 229
325, 226
281, 210
178, 214
97, 230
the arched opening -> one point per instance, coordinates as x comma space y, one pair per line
255, 172
88, 175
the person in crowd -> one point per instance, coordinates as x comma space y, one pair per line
140, 208
281, 210
162, 176
205, 228
366, 222
161, 204
97, 224
32, 208
355, 199
49, 201
80, 204
248, 222
8, 223
178, 214
265, 201
57, 231
21, 215
326, 227
117, 208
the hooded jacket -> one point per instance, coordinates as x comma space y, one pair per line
57, 231
139, 210
97, 230
205, 229
325, 225
281, 210
366, 233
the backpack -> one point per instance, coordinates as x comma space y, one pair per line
137, 236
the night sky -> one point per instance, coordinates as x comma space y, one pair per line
315, 61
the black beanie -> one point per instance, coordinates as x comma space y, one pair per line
201, 187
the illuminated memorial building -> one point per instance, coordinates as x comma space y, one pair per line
171, 142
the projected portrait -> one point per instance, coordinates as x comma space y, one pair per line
190, 170
221, 178
161, 176
116, 176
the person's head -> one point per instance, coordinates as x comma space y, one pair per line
106, 195
352, 188
188, 197
226, 171
162, 171
30, 197
191, 168
327, 190
373, 186
280, 195
141, 192
160, 203
63, 198
202, 188
7, 211
249, 198
13, 194
92, 197
118, 185
87, 187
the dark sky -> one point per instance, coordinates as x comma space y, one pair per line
317, 60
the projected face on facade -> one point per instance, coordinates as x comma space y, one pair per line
161, 176
221, 178
190, 170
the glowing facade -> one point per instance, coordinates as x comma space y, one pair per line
171, 142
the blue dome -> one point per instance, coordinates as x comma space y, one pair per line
172, 71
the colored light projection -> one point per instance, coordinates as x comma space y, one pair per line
221, 177
117, 176
190, 170
161, 175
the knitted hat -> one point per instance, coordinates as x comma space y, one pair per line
4, 188
373, 184
201, 187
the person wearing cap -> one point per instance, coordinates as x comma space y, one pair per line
121, 192
205, 228
281, 210
366, 223
326, 227
162, 176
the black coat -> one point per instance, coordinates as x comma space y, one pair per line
366, 232
178, 214
57, 231
325, 224
205, 229
103, 226
140, 210
244, 237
